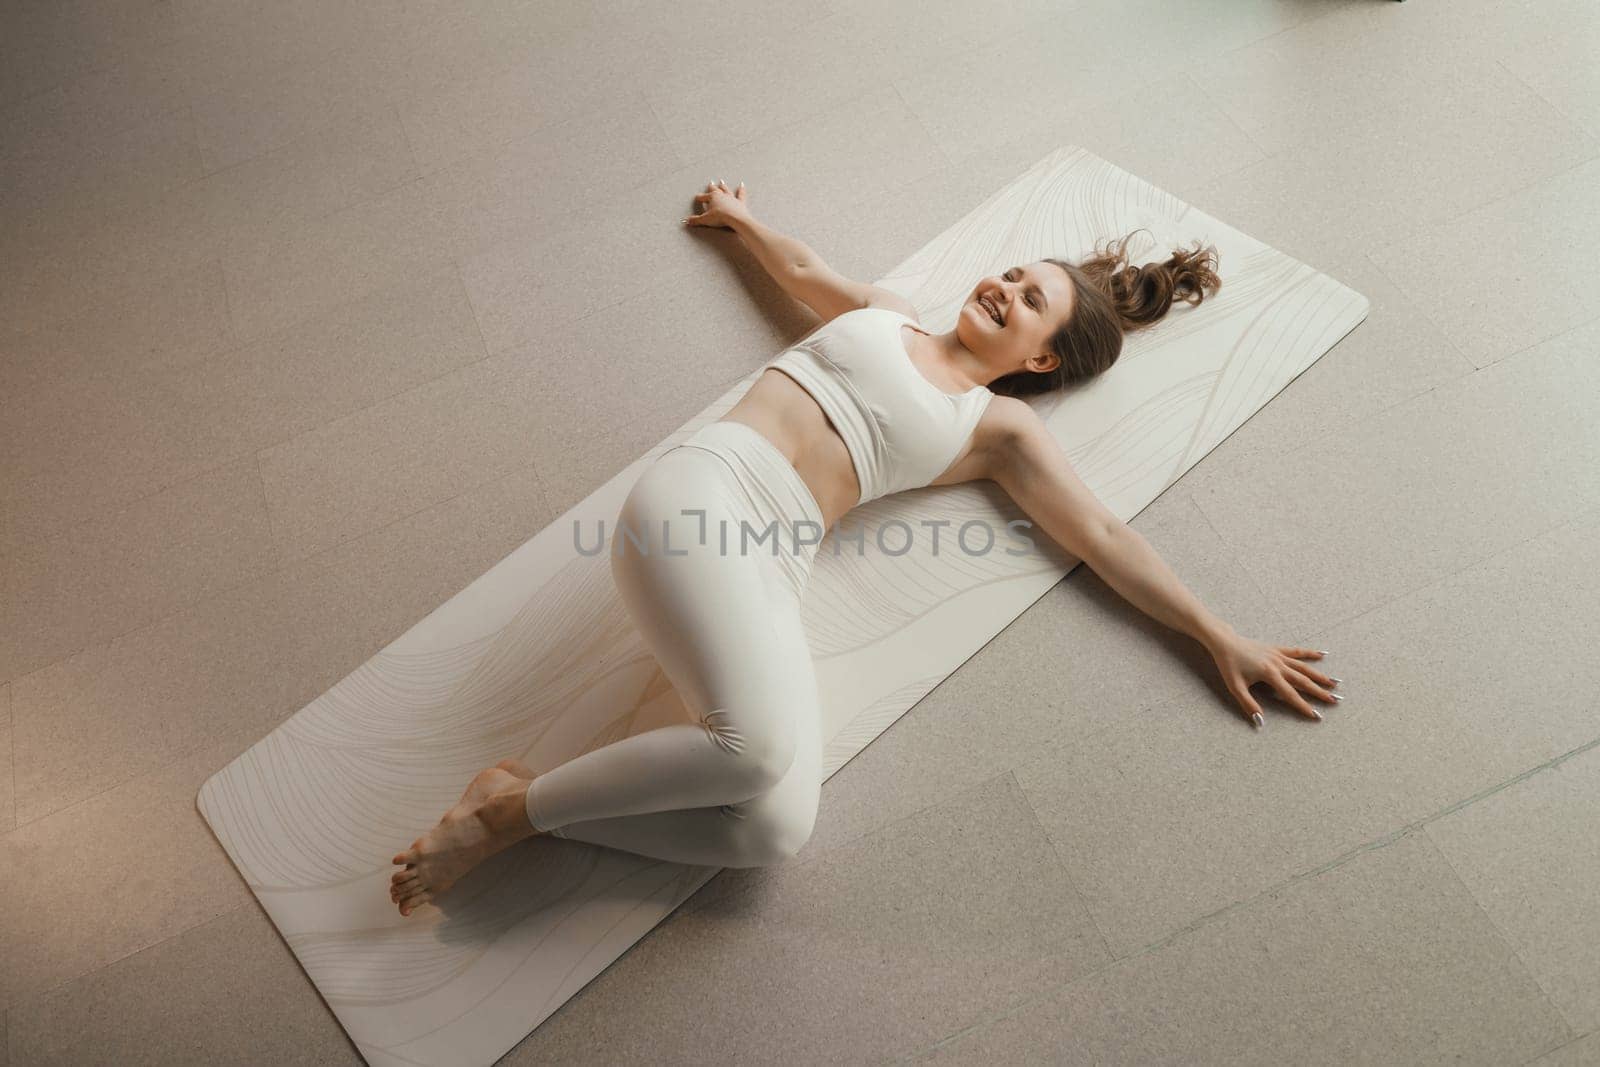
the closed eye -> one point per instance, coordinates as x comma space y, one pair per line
1027, 299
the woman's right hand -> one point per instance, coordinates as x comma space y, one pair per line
721, 206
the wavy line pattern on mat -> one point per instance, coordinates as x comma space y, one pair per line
538, 659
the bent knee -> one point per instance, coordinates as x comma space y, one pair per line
768, 833
761, 848
761, 757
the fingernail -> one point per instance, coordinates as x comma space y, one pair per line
1335, 680
1337, 697
1256, 718
1315, 714
1323, 653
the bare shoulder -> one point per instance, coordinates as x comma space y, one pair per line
1005, 422
878, 297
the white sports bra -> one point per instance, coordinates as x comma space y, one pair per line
901, 430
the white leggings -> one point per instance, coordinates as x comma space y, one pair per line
716, 598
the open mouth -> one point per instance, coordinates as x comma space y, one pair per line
987, 303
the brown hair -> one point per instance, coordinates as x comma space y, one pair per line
1114, 298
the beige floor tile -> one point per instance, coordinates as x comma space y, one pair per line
119, 172
552, 176
1347, 71
865, 152
317, 265
1504, 26
125, 568
132, 258
47, 44
954, 913
223, 39
866, 234
237, 664
8, 796
1581, 1052
1488, 139
122, 870
940, 31
67, 272
342, 164
225, 991
1558, 64
1428, 682
589, 56
1528, 854
746, 89
1062, 71
238, 123
104, 351
1418, 491
122, 444
1384, 958
84, 111
263, 76
1539, 237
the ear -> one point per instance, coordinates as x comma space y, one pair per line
1044, 362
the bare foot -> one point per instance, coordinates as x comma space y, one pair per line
488, 818
516, 767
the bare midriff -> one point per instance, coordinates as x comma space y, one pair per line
785, 414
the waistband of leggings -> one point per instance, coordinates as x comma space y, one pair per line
749, 452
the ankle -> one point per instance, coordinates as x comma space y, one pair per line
506, 813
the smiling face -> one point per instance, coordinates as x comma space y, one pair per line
1008, 319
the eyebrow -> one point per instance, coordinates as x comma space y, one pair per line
1035, 287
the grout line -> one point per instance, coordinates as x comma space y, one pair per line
949, 162
47, 991
1061, 864
1414, 305
1509, 943
1582, 513
1228, 546
1382, 841
1344, 429
1578, 124
1430, 226
266, 513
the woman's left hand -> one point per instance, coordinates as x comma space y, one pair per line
1244, 662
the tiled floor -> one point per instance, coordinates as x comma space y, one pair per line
310, 313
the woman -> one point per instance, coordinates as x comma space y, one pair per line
868, 405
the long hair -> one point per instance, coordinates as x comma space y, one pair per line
1112, 299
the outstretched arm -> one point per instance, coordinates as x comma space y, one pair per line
1030, 465
793, 264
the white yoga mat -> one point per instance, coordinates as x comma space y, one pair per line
537, 657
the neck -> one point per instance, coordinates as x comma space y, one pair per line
949, 348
